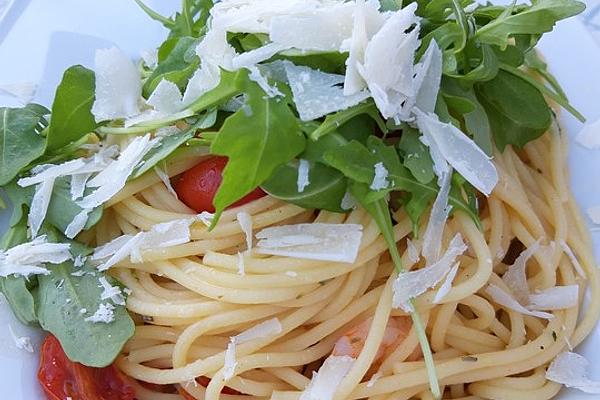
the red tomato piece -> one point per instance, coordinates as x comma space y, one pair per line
61, 378
197, 186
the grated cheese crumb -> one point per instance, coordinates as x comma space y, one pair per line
380, 180
104, 314
111, 292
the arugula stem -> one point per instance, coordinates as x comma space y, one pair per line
381, 213
155, 16
147, 126
189, 23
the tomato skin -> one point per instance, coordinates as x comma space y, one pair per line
61, 378
198, 186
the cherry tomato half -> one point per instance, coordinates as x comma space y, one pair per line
61, 378
197, 186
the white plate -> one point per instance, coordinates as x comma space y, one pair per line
40, 38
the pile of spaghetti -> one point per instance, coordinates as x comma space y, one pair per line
375, 208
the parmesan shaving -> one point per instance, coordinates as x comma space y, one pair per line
118, 86
447, 285
164, 177
324, 383
230, 363
432, 238
39, 206
459, 151
52, 172
78, 183
166, 98
348, 202
206, 218
113, 178
78, 224
428, 75
409, 285
253, 57
516, 275
569, 252
29, 258
150, 57
506, 300
412, 251
555, 298
303, 172
570, 369
317, 93
327, 242
241, 264
389, 61
245, 221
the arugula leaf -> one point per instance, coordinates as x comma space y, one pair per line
71, 111
333, 121
174, 63
325, 191
62, 209
517, 111
15, 289
487, 69
533, 61
20, 141
231, 84
183, 24
538, 18
257, 139
415, 155
60, 298
354, 160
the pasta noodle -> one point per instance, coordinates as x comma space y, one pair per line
190, 299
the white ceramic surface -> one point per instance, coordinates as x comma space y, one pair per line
40, 38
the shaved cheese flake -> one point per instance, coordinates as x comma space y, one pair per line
78, 183
22, 342
104, 314
412, 251
150, 57
447, 285
317, 93
432, 238
409, 285
113, 178
516, 275
253, 57
269, 328
336, 242
241, 264
290, 241
506, 300
52, 172
39, 206
111, 292
214, 49
230, 363
589, 136
570, 369
206, 218
428, 75
576, 264
10, 269
324, 383
111, 247
459, 151
440, 165
300, 31
164, 177
245, 221
118, 86
594, 214
367, 20
121, 253
206, 78
555, 298
389, 61
77, 224
303, 179
166, 97
24, 92
380, 180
